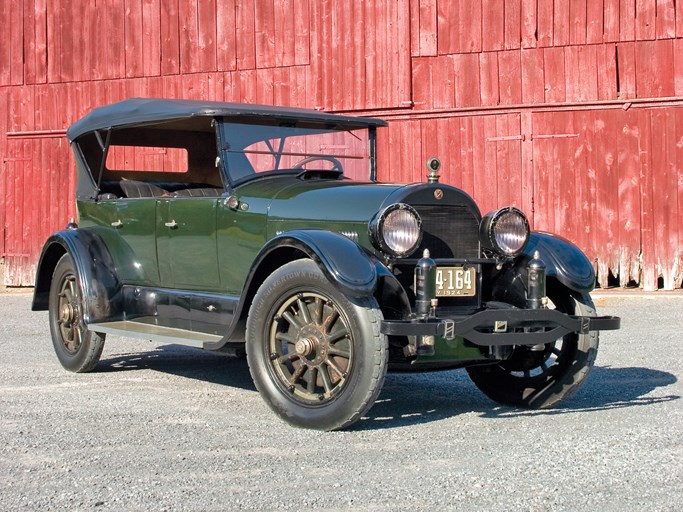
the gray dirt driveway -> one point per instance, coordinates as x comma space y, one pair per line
171, 428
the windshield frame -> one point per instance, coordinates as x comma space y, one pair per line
274, 131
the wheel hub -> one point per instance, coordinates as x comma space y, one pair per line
306, 346
67, 314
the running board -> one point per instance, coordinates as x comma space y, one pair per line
147, 331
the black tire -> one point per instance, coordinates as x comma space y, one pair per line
540, 379
316, 356
77, 348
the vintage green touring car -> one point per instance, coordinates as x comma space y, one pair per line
262, 230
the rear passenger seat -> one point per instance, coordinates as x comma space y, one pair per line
132, 188
198, 192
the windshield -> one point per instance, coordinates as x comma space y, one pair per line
248, 150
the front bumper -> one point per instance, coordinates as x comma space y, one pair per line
496, 327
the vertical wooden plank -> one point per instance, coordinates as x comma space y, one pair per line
626, 77
627, 20
170, 37
678, 121
545, 22
67, 49
467, 170
578, 16
448, 26
427, 27
678, 66
594, 21
527, 167
529, 34
509, 160
563, 183
561, 22
284, 32
607, 206
40, 50
647, 220
415, 28
264, 16
666, 19
553, 64
4, 93
434, 82
606, 71
533, 80
246, 35
264, 86
226, 36
679, 21
655, 74
664, 192
544, 158
645, 19
302, 34
493, 19
488, 72
513, 24
582, 74
151, 29
484, 162
29, 45
53, 45
114, 43
510, 83
133, 38
469, 18
611, 21
467, 93
206, 37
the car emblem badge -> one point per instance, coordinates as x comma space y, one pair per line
438, 194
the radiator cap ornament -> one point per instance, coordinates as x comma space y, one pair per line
433, 166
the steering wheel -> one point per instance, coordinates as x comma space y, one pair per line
336, 164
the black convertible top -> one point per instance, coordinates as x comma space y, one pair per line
136, 111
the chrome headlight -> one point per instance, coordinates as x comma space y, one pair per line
505, 231
396, 230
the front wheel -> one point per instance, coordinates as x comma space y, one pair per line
78, 349
316, 356
540, 377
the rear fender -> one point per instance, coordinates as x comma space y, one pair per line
99, 285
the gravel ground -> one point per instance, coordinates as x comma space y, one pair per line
171, 428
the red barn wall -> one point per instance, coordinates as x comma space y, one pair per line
570, 109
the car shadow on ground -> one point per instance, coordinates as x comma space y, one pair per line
413, 398
409, 399
185, 362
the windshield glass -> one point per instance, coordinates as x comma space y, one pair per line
250, 150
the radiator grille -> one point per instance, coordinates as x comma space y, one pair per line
449, 231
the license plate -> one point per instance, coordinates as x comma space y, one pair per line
456, 282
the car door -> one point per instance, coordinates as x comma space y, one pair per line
136, 253
186, 243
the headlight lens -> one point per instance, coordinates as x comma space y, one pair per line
397, 230
505, 231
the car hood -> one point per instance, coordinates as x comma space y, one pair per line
330, 201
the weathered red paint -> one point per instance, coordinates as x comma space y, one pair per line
570, 109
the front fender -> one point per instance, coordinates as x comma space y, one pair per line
341, 259
99, 285
564, 261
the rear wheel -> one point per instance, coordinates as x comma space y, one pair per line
316, 356
540, 377
77, 348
